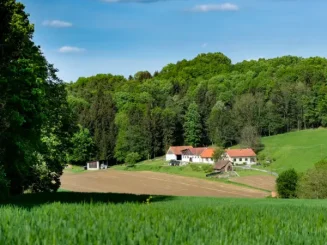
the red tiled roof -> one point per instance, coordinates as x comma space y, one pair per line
241, 153
177, 150
207, 153
197, 151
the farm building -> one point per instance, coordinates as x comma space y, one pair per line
223, 166
193, 155
175, 152
95, 165
190, 154
241, 156
207, 155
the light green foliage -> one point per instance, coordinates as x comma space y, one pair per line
298, 150
217, 154
313, 183
192, 126
132, 158
241, 221
83, 147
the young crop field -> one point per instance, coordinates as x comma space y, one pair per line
73, 218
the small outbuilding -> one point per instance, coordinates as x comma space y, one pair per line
223, 166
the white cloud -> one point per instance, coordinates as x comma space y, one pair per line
215, 7
69, 49
204, 45
57, 23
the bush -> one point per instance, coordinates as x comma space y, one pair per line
207, 168
132, 158
196, 167
4, 185
287, 184
313, 184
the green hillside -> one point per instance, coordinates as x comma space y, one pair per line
299, 150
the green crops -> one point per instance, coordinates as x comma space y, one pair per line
178, 221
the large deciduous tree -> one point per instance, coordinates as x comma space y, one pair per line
32, 99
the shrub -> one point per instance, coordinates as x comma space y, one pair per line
313, 183
4, 185
196, 167
132, 158
207, 168
287, 184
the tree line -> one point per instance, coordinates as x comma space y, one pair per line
200, 102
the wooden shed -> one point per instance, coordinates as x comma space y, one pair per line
223, 166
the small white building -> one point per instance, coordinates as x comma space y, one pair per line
241, 156
93, 165
175, 152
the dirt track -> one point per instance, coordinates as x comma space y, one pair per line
152, 183
263, 182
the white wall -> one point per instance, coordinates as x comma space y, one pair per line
171, 157
241, 160
97, 168
208, 160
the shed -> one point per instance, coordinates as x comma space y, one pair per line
223, 166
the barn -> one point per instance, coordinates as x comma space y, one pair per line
175, 152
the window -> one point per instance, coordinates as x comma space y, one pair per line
211, 159
240, 159
246, 159
234, 159
93, 165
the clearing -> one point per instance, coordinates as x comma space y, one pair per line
154, 184
299, 150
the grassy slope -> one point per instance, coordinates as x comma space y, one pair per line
299, 150
94, 218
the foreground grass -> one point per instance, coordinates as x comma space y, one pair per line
77, 218
299, 150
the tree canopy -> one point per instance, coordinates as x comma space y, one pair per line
204, 101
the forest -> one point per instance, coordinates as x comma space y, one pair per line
201, 102
46, 123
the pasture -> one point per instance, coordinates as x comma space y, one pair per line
299, 150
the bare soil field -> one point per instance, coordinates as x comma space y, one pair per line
262, 182
153, 184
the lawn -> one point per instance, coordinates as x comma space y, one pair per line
80, 218
299, 150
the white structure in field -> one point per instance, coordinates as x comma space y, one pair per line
93, 165
188, 154
175, 152
241, 156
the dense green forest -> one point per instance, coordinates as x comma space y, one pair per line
204, 101
45, 123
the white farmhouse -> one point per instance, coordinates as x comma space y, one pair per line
193, 155
175, 152
241, 156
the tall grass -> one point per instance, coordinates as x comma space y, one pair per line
177, 221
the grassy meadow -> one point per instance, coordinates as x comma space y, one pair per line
299, 150
80, 218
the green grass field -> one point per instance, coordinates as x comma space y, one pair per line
77, 218
299, 150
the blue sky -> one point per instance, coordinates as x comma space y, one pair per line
87, 37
